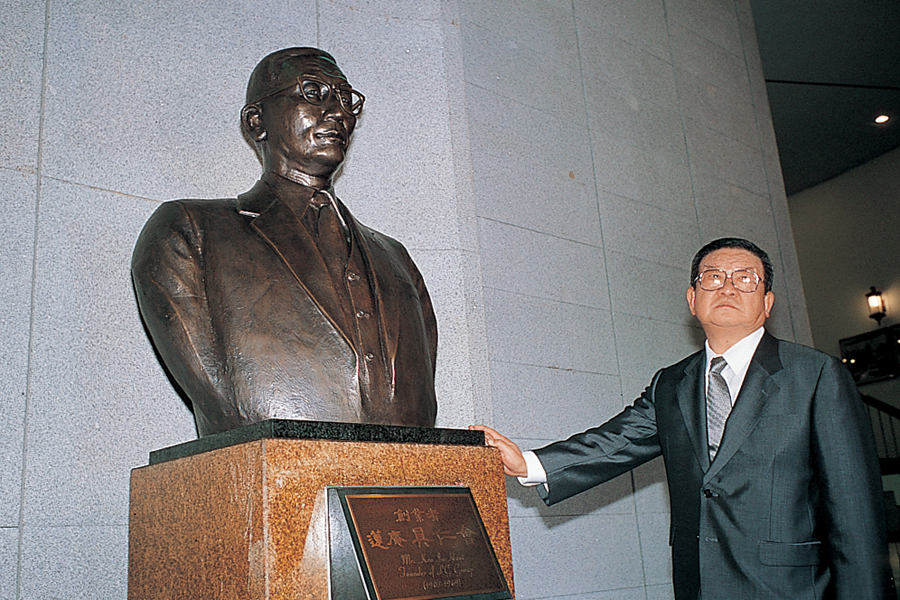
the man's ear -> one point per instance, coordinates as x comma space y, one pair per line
691, 295
251, 123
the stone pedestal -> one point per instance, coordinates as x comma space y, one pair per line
242, 515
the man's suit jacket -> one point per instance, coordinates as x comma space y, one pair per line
246, 317
792, 505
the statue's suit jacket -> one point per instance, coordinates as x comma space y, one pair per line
244, 314
792, 505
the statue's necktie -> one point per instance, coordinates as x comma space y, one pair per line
718, 405
332, 240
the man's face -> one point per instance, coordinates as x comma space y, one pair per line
311, 139
727, 308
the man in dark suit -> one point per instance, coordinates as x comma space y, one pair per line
278, 303
772, 473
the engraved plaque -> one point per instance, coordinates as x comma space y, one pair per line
412, 543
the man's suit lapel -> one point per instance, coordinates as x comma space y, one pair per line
688, 389
282, 228
750, 405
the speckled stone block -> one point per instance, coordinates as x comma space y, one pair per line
248, 521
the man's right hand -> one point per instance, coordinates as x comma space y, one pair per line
513, 461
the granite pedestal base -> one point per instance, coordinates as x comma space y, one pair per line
245, 517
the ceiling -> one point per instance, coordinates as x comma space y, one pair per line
831, 66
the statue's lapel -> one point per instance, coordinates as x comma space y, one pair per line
279, 223
380, 268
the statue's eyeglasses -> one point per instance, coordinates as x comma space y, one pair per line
742, 280
318, 92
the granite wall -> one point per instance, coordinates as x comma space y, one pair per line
551, 166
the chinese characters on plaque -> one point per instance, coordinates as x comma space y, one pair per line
423, 544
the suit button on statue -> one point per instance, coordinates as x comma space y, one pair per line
279, 304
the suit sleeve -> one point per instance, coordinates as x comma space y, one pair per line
167, 271
597, 455
850, 485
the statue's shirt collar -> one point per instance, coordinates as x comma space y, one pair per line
272, 187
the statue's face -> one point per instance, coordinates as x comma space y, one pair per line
306, 137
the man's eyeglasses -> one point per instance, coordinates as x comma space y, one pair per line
742, 280
318, 92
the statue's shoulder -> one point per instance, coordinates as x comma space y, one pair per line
188, 219
197, 205
178, 213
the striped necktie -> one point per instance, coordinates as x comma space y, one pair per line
718, 405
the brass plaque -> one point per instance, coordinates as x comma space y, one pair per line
422, 544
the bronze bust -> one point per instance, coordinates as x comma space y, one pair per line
278, 304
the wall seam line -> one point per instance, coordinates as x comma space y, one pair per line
39, 166
606, 269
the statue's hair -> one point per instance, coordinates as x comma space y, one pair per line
278, 69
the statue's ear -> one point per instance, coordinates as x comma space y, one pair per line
251, 122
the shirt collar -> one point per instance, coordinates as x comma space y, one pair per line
271, 187
739, 355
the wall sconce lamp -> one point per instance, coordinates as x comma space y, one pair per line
876, 305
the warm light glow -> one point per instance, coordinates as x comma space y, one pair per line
882, 119
876, 304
